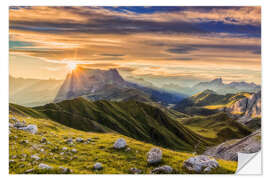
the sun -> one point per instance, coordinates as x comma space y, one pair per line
71, 66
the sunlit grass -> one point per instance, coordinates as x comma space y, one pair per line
98, 150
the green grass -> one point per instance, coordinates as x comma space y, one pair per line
131, 118
218, 127
99, 150
208, 102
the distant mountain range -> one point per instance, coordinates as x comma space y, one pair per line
216, 85
95, 84
32, 92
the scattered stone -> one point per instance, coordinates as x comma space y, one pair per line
19, 124
24, 142
127, 149
207, 170
80, 140
89, 139
154, 156
41, 150
64, 148
69, 141
51, 154
200, 164
21, 166
135, 171
11, 161
43, 140
29, 171
120, 144
44, 166
11, 125
74, 150
62, 153
30, 128
35, 157
162, 170
13, 118
65, 170
98, 166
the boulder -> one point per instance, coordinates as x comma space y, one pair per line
69, 141
162, 170
65, 170
35, 157
44, 166
154, 156
74, 150
200, 164
43, 140
29, 171
30, 128
97, 166
80, 140
19, 124
135, 171
120, 144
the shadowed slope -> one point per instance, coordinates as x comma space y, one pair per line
130, 118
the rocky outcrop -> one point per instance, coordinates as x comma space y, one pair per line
246, 108
120, 144
229, 149
162, 170
154, 156
200, 164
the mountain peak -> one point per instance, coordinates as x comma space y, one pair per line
217, 81
83, 81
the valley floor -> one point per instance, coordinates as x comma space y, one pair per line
57, 153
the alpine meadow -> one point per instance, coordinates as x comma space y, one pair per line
133, 90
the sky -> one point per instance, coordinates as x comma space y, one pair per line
182, 45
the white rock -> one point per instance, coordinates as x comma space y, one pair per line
200, 164
74, 150
19, 124
35, 157
69, 141
30, 128
65, 170
64, 148
135, 171
120, 144
44, 166
163, 170
154, 156
98, 166
79, 139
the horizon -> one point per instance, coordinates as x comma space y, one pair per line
186, 45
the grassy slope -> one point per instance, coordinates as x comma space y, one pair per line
207, 102
218, 126
100, 150
134, 119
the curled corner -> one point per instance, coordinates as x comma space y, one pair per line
249, 163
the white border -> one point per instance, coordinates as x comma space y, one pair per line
4, 75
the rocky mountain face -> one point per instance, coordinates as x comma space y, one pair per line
229, 149
85, 81
222, 88
246, 108
95, 84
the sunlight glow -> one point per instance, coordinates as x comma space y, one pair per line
71, 66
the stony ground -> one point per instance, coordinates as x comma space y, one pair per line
50, 151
